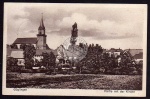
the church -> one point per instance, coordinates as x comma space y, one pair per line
38, 42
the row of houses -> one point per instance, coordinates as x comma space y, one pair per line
134, 54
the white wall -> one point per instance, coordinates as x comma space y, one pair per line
21, 62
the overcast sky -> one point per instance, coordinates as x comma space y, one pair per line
111, 26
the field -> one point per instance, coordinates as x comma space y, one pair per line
77, 81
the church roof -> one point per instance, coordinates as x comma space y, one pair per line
42, 27
25, 41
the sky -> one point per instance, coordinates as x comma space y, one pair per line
109, 25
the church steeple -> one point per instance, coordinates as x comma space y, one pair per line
41, 28
41, 36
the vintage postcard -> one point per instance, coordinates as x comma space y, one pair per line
75, 49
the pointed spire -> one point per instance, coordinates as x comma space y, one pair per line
42, 27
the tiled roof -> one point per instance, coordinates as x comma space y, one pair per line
138, 56
114, 50
25, 41
17, 53
134, 51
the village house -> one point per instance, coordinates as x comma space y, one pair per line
136, 54
115, 52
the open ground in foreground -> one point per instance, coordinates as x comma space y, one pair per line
78, 81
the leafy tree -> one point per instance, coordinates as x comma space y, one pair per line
29, 52
92, 60
23, 46
12, 61
14, 46
48, 60
12, 64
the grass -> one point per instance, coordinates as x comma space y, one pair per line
78, 81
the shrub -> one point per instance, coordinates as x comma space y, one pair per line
48, 72
86, 72
27, 71
96, 72
133, 73
102, 70
15, 68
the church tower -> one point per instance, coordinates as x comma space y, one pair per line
41, 37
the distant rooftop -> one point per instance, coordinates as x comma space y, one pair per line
25, 41
139, 56
114, 50
134, 51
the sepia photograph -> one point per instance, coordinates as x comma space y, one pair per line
75, 49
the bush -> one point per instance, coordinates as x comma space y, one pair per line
124, 73
39, 70
102, 70
15, 68
139, 68
48, 73
53, 73
96, 72
140, 71
86, 72
65, 72
133, 73
27, 71
73, 72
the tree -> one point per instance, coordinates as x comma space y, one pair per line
23, 46
12, 61
14, 46
92, 60
12, 64
48, 60
29, 52
52, 59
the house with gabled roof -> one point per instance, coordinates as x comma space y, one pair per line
136, 54
134, 51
